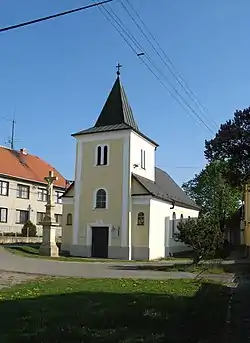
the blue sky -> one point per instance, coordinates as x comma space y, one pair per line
56, 75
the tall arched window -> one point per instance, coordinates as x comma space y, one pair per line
105, 155
173, 223
101, 198
99, 155
69, 219
140, 218
102, 155
181, 218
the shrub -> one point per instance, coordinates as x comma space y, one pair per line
29, 229
202, 234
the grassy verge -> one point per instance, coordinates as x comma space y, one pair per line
77, 310
32, 250
212, 268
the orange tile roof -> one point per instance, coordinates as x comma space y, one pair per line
28, 167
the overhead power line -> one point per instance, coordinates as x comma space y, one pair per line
120, 27
167, 61
12, 27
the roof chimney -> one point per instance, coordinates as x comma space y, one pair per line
24, 151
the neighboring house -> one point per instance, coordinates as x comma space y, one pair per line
23, 190
121, 205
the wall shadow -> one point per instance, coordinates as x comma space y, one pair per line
185, 267
114, 317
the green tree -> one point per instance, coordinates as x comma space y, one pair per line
202, 234
211, 190
29, 229
232, 143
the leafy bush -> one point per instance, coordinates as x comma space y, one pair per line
29, 229
202, 234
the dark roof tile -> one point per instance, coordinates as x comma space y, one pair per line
166, 189
117, 109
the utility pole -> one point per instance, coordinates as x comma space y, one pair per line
12, 134
12, 139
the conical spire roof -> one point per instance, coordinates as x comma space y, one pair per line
117, 109
116, 114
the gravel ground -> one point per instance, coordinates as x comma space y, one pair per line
8, 279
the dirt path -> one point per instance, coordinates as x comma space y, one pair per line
239, 316
8, 279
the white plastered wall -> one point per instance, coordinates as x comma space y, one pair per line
161, 240
136, 144
158, 211
171, 244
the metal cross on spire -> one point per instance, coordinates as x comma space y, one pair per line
118, 67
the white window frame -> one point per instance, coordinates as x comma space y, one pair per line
42, 215
21, 189
4, 188
58, 218
5, 220
19, 216
143, 159
44, 194
58, 195
94, 199
102, 155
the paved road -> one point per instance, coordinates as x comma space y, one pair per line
14, 263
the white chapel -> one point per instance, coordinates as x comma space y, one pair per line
120, 204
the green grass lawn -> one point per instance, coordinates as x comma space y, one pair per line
116, 311
208, 268
32, 250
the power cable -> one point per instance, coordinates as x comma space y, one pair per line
138, 45
179, 78
12, 27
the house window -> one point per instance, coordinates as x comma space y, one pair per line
140, 218
58, 219
69, 219
101, 199
143, 159
58, 197
181, 218
173, 223
102, 155
42, 194
3, 215
22, 216
40, 217
4, 188
23, 191
99, 155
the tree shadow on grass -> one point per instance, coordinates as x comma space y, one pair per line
27, 249
34, 250
185, 267
115, 317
